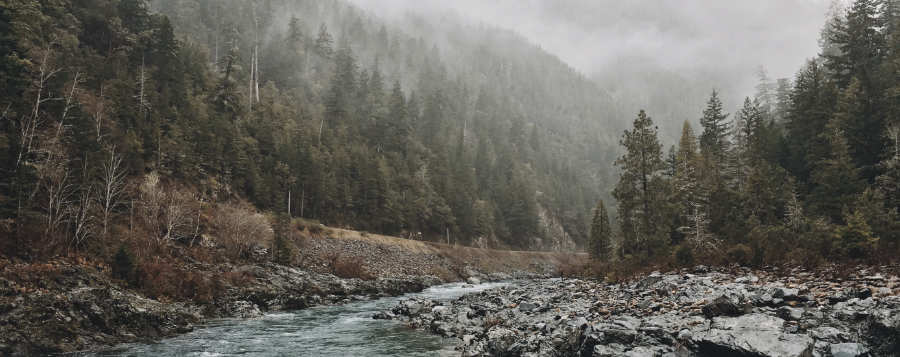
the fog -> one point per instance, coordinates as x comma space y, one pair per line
719, 43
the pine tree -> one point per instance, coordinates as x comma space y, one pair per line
836, 179
812, 104
691, 194
601, 234
640, 188
324, 42
861, 45
714, 144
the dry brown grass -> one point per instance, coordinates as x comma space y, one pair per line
487, 260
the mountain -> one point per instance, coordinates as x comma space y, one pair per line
446, 131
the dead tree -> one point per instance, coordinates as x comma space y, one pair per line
111, 186
82, 217
176, 214
98, 115
30, 124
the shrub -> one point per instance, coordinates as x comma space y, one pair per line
740, 254
684, 255
123, 265
282, 252
239, 228
856, 238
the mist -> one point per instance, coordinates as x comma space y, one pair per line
625, 45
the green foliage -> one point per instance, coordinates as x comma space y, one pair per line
856, 239
601, 234
740, 254
714, 143
684, 256
123, 265
282, 245
641, 188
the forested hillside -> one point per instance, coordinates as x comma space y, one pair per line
807, 171
439, 130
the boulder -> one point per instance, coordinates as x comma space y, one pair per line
499, 340
724, 305
790, 313
848, 350
750, 335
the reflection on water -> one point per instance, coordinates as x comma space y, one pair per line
346, 330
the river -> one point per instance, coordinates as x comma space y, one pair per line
340, 330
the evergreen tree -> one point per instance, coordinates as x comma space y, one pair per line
324, 42
714, 143
836, 179
691, 196
640, 188
812, 104
601, 234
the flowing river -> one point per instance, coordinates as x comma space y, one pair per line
342, 330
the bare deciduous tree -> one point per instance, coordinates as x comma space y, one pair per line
30, 125
177, 213
166, 211
239, 228
111, 186
82, 217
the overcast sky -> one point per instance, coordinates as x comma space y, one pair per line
727, 36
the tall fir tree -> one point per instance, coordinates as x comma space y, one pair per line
714, 143
601, 234
641, 188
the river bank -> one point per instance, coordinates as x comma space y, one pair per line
68, 304
702, 312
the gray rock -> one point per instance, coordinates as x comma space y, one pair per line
724, 306
440, 312
790, 313
499, 340
527, 306
243, 309
848, 350
610, 350
473, 280
751, 335
827, 334
788, 294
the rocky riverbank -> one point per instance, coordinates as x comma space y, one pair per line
61, 307
66, 305
686, 313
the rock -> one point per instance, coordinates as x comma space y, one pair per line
610, 350
827, 334
787, 294
790, 313
473, 280
440, 312
499, 340
848, 350
724, 306
243, 309
527, 306
751, 335
383, 315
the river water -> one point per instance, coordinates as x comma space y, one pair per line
343, 330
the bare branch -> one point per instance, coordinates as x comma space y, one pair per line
111, 186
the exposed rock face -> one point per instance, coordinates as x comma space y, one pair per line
676, 314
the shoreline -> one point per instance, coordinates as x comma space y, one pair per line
69, 305
701, 312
